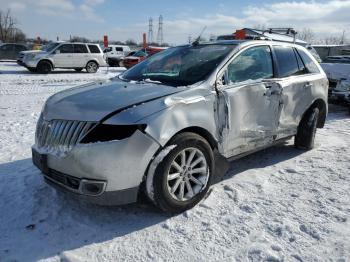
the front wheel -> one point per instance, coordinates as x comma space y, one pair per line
184, 176
305, 137
91, 67
44, 67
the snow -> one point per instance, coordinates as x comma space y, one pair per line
280, 204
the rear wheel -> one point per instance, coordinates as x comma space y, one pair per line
44, 67
184, 176
91, 67
305, 137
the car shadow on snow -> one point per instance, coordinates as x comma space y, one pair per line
39, 222
263, 158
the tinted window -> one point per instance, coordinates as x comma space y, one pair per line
94, 49
287, 61
254, 63
119, 49
20, 48
80, 49
310, 65
6, 47
66, 49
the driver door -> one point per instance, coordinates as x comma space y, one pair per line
63, 56
252, 101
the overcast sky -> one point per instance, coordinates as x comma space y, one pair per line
122, 20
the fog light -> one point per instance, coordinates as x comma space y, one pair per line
91, 187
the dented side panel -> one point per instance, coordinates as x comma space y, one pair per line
253, 112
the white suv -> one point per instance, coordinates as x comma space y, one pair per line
64, 55
116, 53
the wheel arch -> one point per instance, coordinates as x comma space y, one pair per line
322, 106
201, 132
46, 60
92, 60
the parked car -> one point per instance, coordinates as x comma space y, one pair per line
63, 55
140, 55
169, 125
343, 59
116, 53
11, 51
341, 92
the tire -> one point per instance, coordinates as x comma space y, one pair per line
44, 67
305, 137
91, 67
171, 186
78, 69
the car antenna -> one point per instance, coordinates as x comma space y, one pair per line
196, 42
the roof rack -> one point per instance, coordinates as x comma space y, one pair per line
282, 31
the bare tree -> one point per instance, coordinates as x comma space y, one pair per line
306, 35
8, 30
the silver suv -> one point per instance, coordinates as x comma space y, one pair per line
63, 55
169, 125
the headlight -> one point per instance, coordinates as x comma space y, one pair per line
104, 133
30, 56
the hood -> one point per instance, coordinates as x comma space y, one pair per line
94, 102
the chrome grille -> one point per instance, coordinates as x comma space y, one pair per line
60, 135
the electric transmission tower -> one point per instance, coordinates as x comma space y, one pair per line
150, 30
160, 31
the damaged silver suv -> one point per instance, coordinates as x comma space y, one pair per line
169, 125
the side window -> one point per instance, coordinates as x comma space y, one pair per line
287, 61
7, 47
66, 49
94, 49
19, 48
302, 68
252, 64
79, 48
310, 65
119, 49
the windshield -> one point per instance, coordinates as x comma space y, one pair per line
139, 53
49, 47
184, 65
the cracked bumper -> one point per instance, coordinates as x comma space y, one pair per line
120, 164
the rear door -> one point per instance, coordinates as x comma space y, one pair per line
297, 82
250, 101
63, 56
81, 56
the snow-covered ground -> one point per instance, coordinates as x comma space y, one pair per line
280, 204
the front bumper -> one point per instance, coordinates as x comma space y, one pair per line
119, 164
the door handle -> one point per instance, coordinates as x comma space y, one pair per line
308, 85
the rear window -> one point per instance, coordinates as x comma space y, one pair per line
309, 64
78, 48
286, 60
94, 49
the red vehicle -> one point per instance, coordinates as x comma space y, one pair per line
141, 55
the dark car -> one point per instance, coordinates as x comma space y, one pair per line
11, 51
